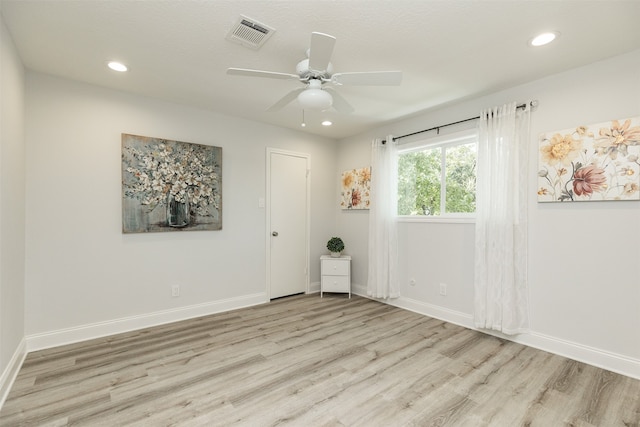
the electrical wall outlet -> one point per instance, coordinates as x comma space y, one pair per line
443, 289
175, 290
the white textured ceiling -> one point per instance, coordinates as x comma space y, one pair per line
447, 50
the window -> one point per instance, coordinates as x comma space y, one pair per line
438, 177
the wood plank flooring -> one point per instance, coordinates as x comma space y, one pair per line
311, 361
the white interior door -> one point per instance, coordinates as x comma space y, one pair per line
287, 223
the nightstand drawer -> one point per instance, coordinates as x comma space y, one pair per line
335, 284
335, 267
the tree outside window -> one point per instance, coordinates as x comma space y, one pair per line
438, 180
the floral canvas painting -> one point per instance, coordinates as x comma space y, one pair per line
356, 186
170, 185
595, 162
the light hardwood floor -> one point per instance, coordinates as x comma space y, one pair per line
307, 361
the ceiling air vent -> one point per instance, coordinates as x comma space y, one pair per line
249, 33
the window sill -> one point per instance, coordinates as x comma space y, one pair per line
438, 219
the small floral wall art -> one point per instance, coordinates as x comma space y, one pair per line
595, 162
170, 185
356, 187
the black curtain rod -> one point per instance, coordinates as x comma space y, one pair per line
532, 103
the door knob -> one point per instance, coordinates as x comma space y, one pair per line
274, 234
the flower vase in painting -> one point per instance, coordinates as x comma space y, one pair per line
596, 162
178, 214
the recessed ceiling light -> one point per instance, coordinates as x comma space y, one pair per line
544, 38
327, 123
117, 66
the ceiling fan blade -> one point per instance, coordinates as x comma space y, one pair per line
285, 100
368, 78
339, 103
260, 73
320, 51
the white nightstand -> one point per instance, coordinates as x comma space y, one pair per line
336, 274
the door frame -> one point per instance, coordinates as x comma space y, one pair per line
307, 232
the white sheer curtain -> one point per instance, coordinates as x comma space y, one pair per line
382, 279
501, 292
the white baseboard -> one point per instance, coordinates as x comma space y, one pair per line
314, 287
614, 362
101, 329
620, 364
11, 371
431, 310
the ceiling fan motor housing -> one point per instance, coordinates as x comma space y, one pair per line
303, 70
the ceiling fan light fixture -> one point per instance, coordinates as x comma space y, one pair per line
315, 99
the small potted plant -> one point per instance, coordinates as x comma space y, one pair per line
335, 246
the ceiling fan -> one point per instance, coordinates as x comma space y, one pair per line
316, 73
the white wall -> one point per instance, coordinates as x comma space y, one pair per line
12, 201
84, 277
583, 257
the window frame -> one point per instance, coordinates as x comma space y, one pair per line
442, 142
